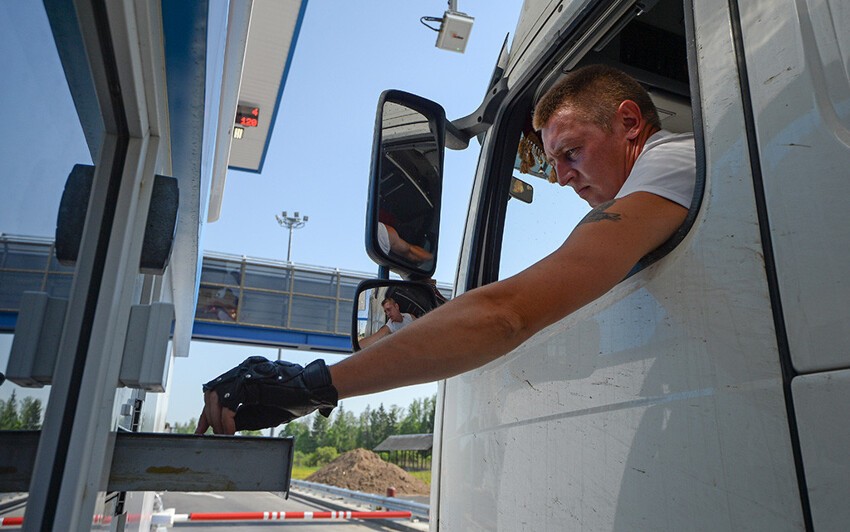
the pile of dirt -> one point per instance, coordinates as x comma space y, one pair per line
363, 470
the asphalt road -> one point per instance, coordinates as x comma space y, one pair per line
185, 503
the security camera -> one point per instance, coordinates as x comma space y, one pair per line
454, 31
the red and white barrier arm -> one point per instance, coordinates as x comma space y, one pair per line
281, 516
11, 521
168, 518
96, 519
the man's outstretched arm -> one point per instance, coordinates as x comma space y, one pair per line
484, 324
372, 338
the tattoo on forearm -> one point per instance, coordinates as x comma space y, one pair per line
598, 214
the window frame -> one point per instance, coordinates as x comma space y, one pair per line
489, 228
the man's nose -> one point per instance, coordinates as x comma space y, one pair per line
564, 172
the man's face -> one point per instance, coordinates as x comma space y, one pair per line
392, 311
585, 156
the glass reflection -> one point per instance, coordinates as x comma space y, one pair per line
409, 188
38, 148
388, 308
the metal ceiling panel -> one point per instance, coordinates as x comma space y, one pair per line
274, 31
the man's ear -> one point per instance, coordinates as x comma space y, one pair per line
629, 116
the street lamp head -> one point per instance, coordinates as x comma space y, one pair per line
291, 222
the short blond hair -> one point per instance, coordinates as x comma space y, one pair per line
595, 92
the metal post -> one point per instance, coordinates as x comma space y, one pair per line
271, 429
291, 223
289, 246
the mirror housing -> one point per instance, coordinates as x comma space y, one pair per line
521, 190
405, 185
368, 316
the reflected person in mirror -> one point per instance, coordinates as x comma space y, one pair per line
601, 133
391, 242
396, 319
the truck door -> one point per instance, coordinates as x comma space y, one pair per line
662, 405
797, 63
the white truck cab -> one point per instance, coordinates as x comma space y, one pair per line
710, 389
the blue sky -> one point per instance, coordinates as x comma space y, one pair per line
318, 159
319, 156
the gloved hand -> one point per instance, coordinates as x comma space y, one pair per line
266, 393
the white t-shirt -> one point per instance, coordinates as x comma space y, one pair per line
383, 238
393, 326
666, 167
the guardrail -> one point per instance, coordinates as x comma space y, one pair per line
391, 503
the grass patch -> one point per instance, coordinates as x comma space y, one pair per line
424, 476
302, 472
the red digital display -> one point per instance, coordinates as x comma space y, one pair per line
247, 115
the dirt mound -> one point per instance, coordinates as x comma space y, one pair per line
363, 470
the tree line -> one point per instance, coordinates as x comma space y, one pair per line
344, 431
28, 417
317, 439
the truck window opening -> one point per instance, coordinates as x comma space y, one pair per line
651, 48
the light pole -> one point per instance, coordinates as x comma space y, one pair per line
291, 222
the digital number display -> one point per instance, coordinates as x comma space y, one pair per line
247, 115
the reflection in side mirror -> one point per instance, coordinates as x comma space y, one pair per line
521, 190
406, 184
384, 307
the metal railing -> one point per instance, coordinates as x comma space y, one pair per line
418, 509
29, 263
240, 299
276, 295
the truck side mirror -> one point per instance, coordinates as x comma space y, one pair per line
406, 183
379, 301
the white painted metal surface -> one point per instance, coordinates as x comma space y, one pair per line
822, 404
274, 28
801, 94
538, 22
195, 177
238, 23
661, 405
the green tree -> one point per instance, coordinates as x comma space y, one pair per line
411, 423
342, 433
364, 429
30, 418
9, 413
300, 431
383, 424
320, 430
429, 412
299, 459
324, 455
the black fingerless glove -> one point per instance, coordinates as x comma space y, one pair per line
265, 394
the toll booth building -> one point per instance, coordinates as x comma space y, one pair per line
122, 120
